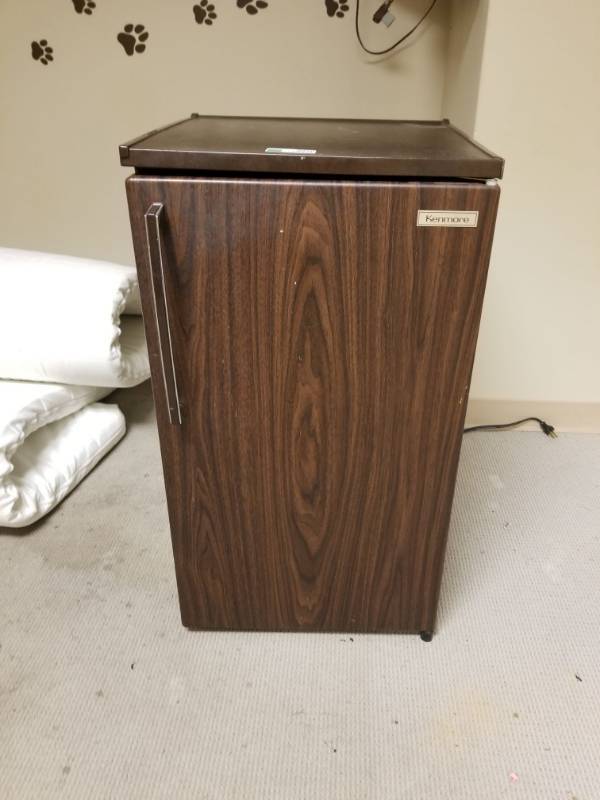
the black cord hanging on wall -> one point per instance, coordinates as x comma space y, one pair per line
378, 17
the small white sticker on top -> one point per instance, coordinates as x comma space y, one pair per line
290, 151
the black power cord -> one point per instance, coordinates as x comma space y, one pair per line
545, 426
400, 40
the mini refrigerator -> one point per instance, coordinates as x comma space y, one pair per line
311, 291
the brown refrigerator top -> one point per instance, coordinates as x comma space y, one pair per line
392, 148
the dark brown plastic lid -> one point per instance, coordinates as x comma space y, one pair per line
390, 148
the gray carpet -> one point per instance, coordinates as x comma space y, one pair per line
104, 695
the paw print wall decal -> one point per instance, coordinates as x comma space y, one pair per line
133, 38
336, 8
40, 51
252, 6
205, 13
84, 6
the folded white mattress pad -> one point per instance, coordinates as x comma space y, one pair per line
51, 437
70, 320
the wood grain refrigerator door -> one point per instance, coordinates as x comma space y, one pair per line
311, 350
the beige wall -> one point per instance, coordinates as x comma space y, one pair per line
522, 77
61, 124
537, 103
467, 23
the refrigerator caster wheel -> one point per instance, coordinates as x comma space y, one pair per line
426, 636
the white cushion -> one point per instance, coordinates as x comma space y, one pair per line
49, 440
61, 320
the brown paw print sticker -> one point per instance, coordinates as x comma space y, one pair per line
133, 38
42, 52
336, 9
205, 13
252, 6
84, 6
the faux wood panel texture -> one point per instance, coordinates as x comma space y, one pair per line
323, 350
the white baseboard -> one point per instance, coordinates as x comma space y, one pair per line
574, 417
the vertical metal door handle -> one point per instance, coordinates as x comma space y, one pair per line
161, 311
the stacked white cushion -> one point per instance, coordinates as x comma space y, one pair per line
50, 438
64, 319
